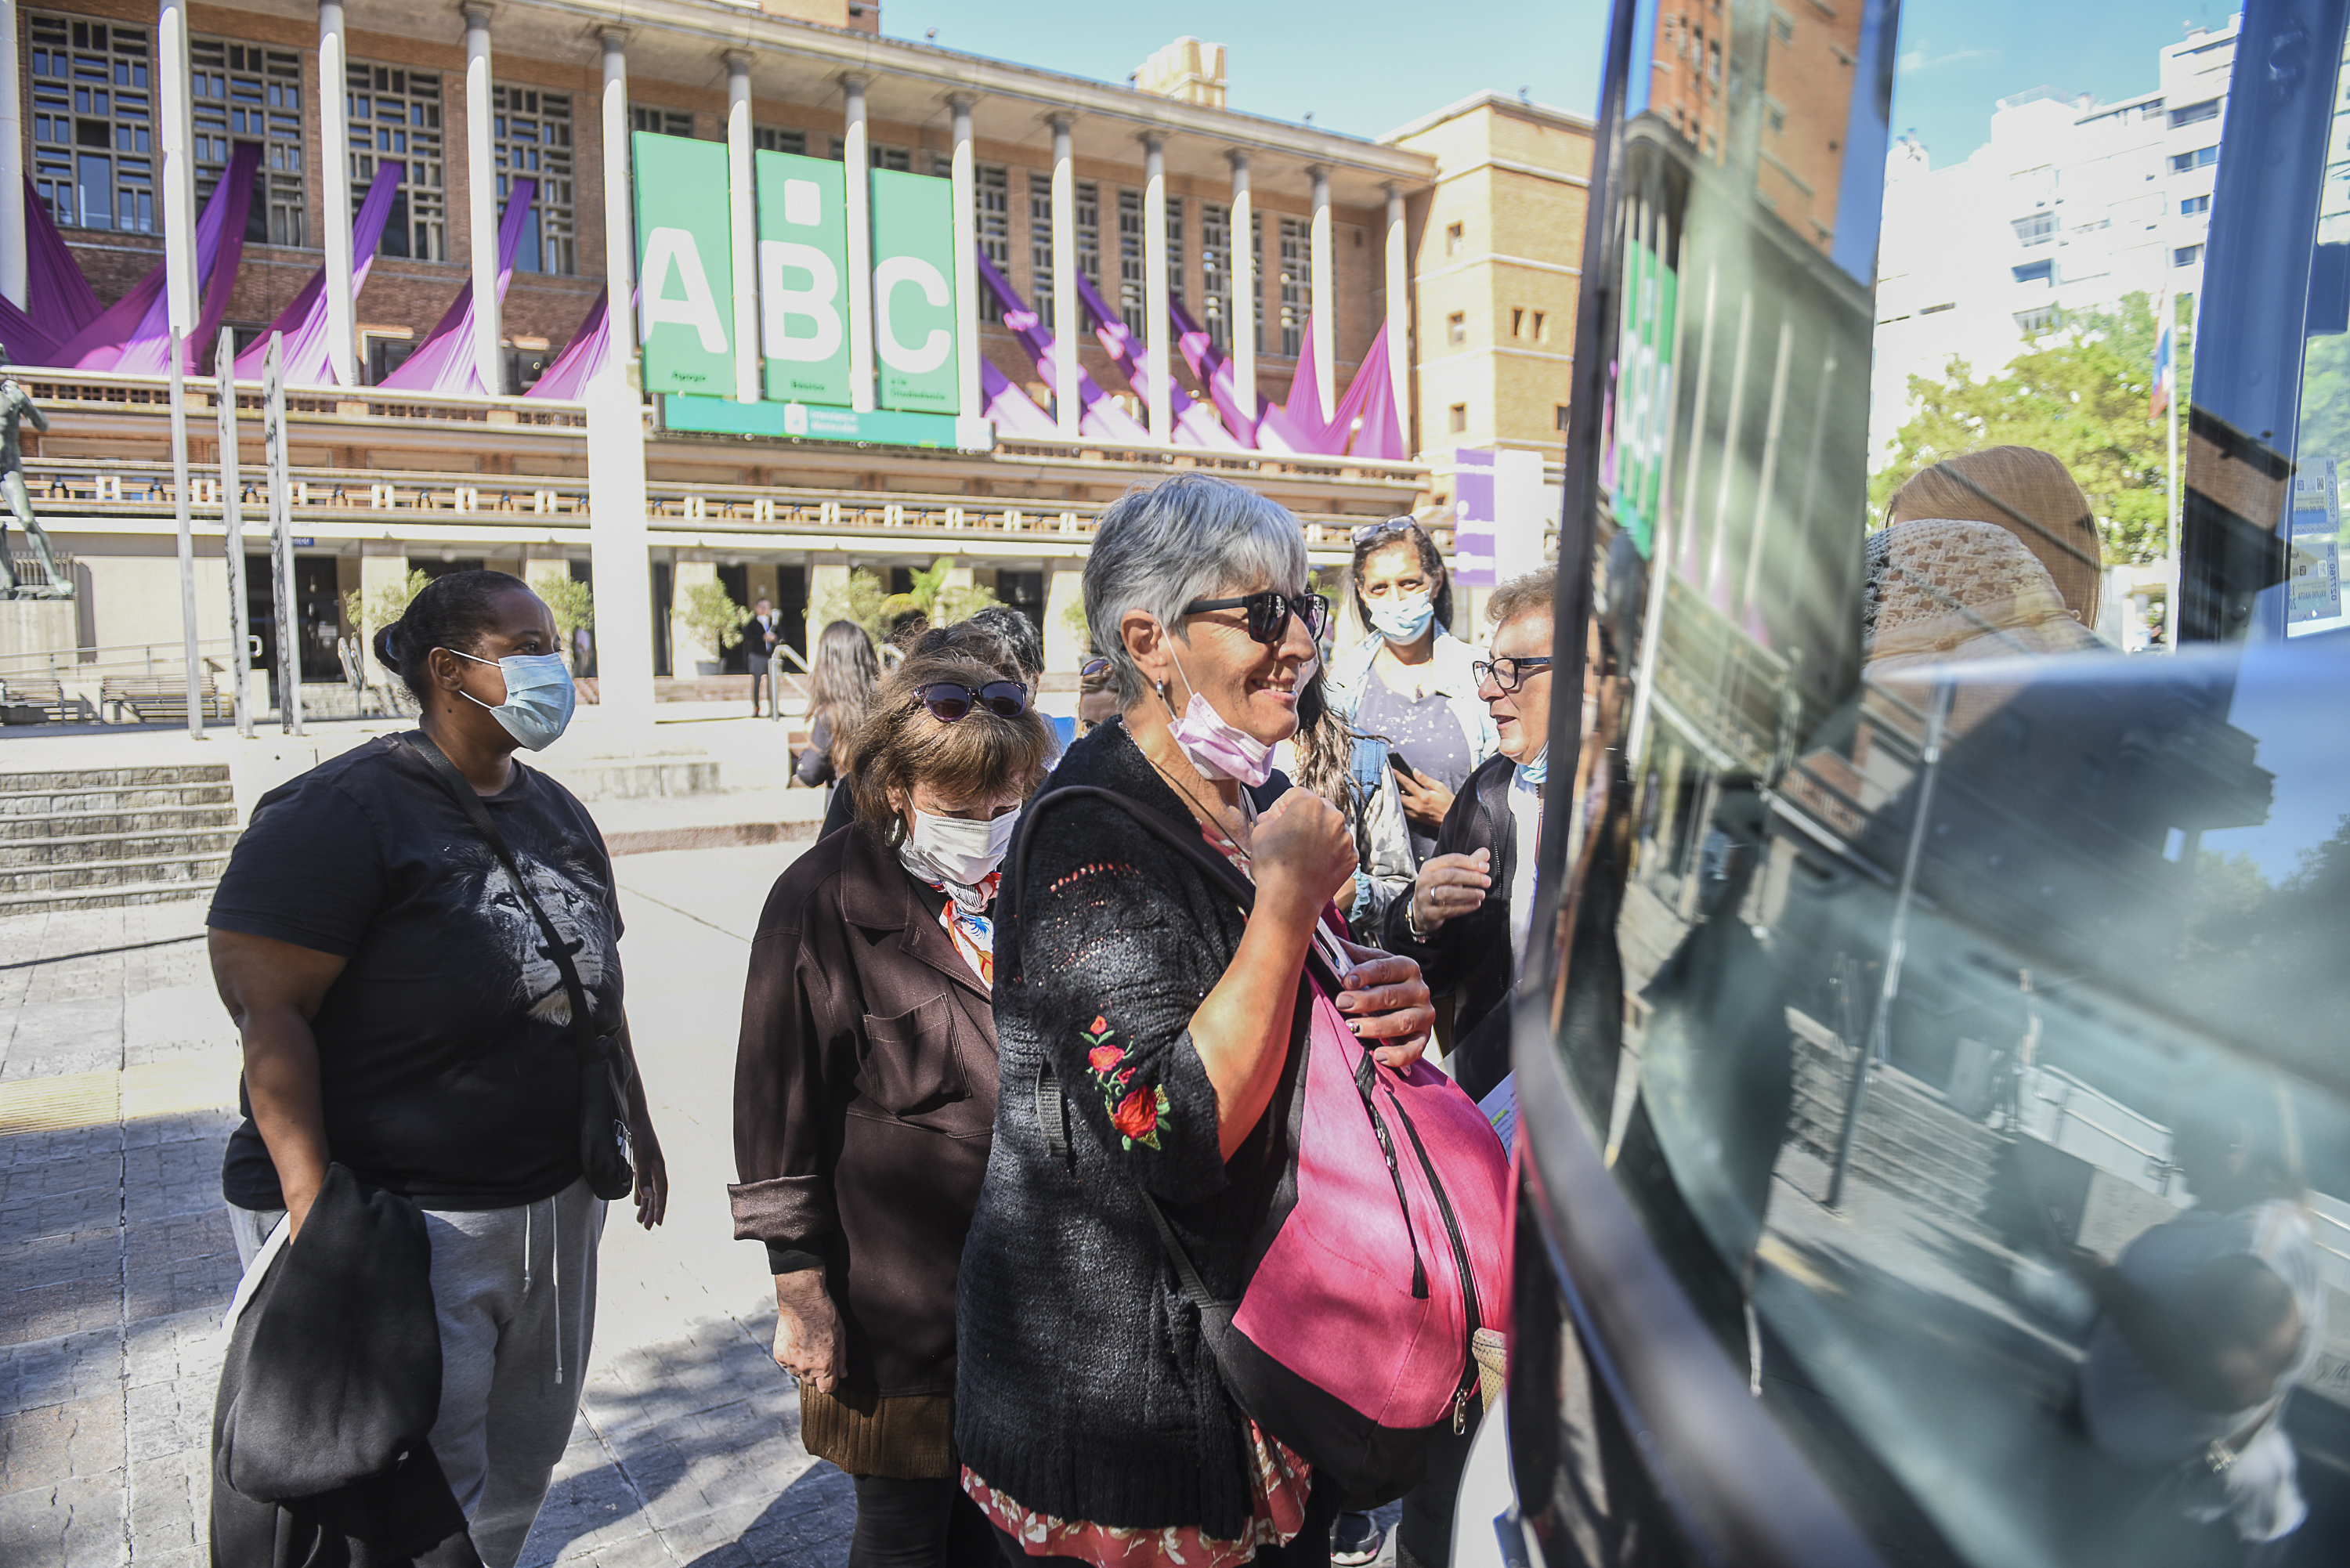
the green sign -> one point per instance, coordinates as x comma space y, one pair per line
685, 267
814, 422
803, 262
913, 300
1644, 390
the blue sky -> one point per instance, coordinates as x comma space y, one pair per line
1364, 68
1960, 56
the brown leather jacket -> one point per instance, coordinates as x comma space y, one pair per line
864, 1097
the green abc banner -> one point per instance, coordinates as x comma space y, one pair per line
684, 265
803, 278
913, 292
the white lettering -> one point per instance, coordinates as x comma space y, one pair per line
940, 344
803, 203
779, 307
674, 248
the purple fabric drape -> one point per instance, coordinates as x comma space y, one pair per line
58, 299
1195, 426
1298, 423
582, 357
1014, 410
1239, 405
443, 362
309, 357
1098, 417
1368, 410
134, 334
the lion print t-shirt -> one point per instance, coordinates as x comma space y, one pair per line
446, 1058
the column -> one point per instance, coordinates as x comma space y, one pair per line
860, 244
482, 204
13, 263
174, 131
1325, 347
970, 402
1398, 316
333, 171
1064, 278
619, 548
746, 257
1154, 287
1246, 300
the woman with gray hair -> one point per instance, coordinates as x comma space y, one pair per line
1144, 1020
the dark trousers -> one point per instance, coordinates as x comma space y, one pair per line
1424, 1533
760, 671
1309, 1548
918, 1525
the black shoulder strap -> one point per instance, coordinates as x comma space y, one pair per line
470, 803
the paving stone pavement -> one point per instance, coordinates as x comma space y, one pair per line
116, 1261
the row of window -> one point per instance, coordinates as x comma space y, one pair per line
992, 200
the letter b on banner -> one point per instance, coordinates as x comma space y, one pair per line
686, 275
803, 277
913, 292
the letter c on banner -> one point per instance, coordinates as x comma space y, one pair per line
935, 348
674, 248
779, 305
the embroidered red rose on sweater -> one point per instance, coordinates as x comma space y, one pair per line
1135, 1110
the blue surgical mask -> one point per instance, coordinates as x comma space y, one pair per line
1403, 620
539, 697
1534, 773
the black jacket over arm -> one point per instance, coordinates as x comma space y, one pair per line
1469, 959
1083, 1387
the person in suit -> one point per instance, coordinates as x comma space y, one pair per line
760, 638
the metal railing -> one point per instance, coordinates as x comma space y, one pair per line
535, 503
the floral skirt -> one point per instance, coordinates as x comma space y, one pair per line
1279, 1482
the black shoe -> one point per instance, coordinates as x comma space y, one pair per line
1356, 1540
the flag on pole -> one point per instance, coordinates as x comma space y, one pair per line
2165, 360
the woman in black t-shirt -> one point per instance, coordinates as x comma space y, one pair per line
403, 1016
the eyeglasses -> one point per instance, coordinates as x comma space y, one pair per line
948, 700
1399, 526
1508, 674
1269, 613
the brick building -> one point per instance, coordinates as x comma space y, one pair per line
467, 98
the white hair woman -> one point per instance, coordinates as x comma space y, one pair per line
1090, 1419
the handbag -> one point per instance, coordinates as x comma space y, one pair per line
1378, 1273
606, 1152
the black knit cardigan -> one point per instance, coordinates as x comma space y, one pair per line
1083, 1388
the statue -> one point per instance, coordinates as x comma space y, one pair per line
17, 405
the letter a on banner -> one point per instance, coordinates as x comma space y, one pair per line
803, 278
913, 292
684, 264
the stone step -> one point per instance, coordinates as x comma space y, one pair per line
99, 778
116, 897
194, 873
1928, 1130
80, 824
101, 848
67, 801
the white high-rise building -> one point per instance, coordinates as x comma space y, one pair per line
2070, 205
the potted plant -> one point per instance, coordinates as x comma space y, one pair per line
708, 611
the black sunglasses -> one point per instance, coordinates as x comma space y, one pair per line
1269, 613
948, 700
1509, 673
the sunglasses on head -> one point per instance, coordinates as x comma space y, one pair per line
1399, 526
1269, 613
948, 700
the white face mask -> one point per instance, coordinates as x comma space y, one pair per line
956, 848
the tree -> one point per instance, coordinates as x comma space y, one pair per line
2080, 392
869, 602
706, 607
570, 602
372, 610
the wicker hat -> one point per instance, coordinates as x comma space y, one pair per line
2026, 492
1939, 584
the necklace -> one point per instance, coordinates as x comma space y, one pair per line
1212, 821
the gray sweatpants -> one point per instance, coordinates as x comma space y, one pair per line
514, 1290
